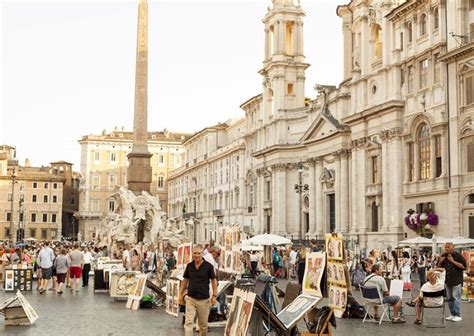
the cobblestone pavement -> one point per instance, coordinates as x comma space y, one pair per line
89, 313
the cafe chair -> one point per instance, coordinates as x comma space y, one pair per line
371, 298
438, 294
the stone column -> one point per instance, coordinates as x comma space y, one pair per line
139, 170
416, 161
433, 157
338, 187
396, 178
312, 196
279, 199
259, 194
444, 158
353, 188
386, 212
267, 45
320, 224
344, 192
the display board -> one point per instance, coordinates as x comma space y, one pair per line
121, 283
136, 292
18, 279
292, 313
172, 297
184, 255
229, 238
336, 275
240, 313
314, 271
18, 311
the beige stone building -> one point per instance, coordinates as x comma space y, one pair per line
37, 198
104, 166
207, 190
396, 134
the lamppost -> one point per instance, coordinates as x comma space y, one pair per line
299, 189
21, 220
11, 235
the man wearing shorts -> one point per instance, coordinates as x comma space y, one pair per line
375, 279
76, 260
45, 262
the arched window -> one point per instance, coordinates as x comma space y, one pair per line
424, 143
377, 40
436, 18
423, 24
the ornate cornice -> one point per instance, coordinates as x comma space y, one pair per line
391, 134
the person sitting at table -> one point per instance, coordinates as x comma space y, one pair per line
436, 278
375, 279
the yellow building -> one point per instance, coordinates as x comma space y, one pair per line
104, 166
36, 194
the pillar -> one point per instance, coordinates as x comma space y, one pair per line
344, 191
320, 225
338, 192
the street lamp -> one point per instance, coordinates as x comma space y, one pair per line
12, 236
299, 189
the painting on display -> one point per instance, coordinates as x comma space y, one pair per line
334, 247
179, 259
314, 271
187, 254
172, 297
337, 298
335, 273
292, 313
236, 262
228, 261
9, 280
240, 313
122, 283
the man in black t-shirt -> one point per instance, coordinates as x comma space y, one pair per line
455, 264
196, 276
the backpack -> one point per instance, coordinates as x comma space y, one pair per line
358, 277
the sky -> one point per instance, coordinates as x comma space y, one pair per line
68, 67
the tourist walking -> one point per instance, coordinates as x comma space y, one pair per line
61, 263
87, 266
254, 263
76, 261
454, 264
301, 264
196, 278
421, 266
45, 262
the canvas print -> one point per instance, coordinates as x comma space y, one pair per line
9, 280
337, 297
187, 255
137, 292
244, 314
172, 298
297, 309
334, 247
179, 260
233, 312
314, 271
121, 283
228, 261
236, 262
335, 273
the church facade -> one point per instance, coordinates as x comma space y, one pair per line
395, 136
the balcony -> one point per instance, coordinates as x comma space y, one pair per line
373, 189
218, 212
88, 214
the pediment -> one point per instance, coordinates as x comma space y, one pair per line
323, 126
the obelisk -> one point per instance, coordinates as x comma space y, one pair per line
139, 168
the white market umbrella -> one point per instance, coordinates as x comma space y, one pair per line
269, 240
463, 241
416, 241
246, 245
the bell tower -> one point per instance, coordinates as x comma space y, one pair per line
284, 62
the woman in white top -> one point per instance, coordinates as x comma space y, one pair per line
405, 269
395, 271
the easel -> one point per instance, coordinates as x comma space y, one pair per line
18, 311
326, 329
